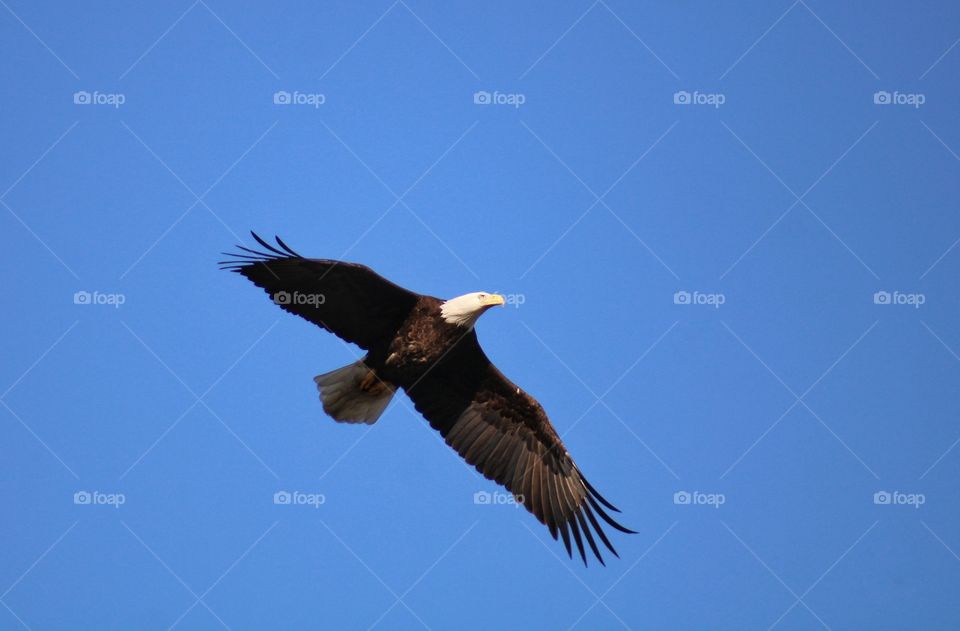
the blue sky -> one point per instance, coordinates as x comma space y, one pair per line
730, 236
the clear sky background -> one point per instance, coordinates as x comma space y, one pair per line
780, 399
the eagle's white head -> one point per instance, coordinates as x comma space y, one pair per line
464, 310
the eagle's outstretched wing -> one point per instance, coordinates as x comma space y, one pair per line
504, 432
350, 300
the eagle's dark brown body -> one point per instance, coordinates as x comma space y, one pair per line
426, 345
493, 424
422, 341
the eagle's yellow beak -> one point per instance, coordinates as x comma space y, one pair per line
492, 300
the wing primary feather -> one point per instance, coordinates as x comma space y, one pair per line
596, 494
596, 526
519, 473
576, 536
544, 489
607, 518
589, 536
264, 256
566, 537
537, 488
549, 518
572, 497
286, 247
237, 255
556, 514
528, 483
267, 245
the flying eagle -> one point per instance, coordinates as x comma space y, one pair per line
428, 347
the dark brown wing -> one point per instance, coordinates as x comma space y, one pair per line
503, 432
347, 299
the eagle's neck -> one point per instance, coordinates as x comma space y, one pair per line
463, 311
460, 318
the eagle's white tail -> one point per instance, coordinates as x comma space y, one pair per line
353, 394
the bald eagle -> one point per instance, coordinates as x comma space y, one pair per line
428, 347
